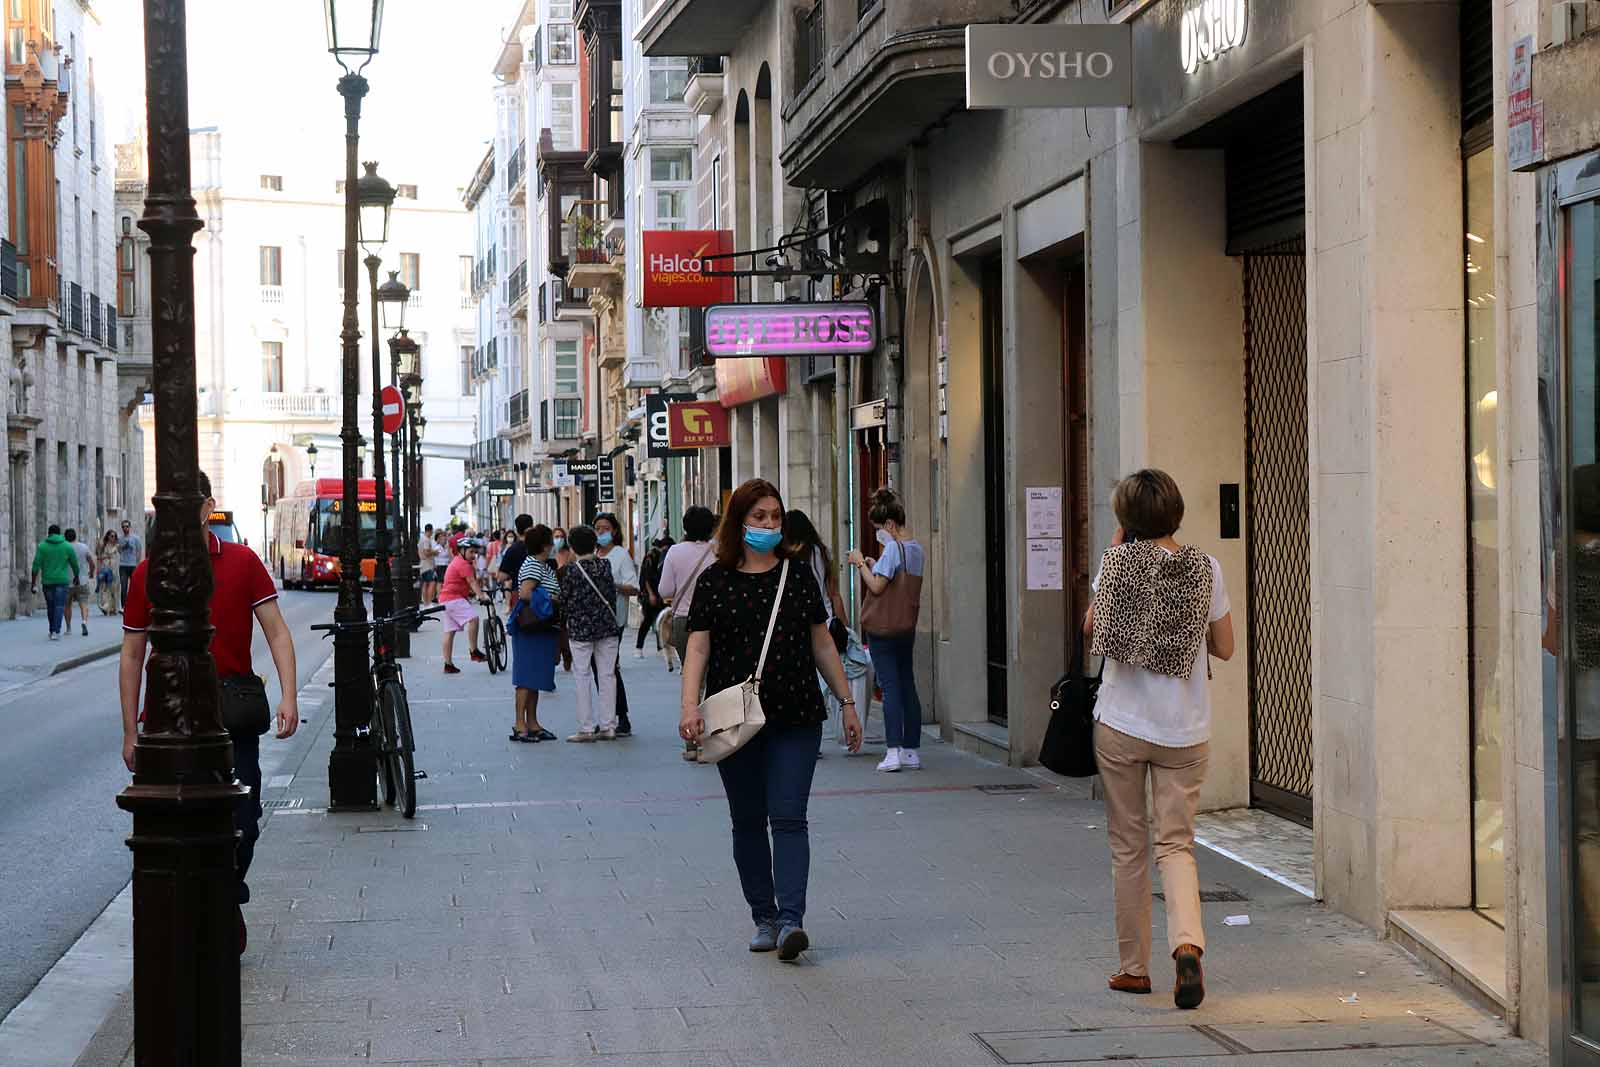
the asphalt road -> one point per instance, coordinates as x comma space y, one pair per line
63, 855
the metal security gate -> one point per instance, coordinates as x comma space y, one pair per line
1277, 513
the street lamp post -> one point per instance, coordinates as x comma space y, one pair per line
183, 795
311, 458
377, 197
403, 359
353, 27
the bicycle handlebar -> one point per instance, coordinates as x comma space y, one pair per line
417, 614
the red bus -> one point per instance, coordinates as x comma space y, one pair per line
306, 531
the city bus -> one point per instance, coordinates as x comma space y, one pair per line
306, 531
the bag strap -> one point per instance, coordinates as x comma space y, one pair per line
700, 565
578, 563
772, 622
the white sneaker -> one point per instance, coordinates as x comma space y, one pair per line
891, 762
910, 760
55, 637
638, 653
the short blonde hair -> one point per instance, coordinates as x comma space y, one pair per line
1148, 504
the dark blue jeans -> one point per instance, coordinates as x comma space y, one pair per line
247, 816
55, 605
894, 662
768, 783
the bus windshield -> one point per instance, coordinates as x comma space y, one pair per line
330, 531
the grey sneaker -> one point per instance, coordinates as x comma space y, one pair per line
583, 736
791, 942
766, 938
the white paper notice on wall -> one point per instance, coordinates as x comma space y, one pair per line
1044, 563
1044, 511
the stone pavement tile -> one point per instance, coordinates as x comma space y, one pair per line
653, 1059
299, 1042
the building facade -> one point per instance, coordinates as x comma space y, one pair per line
1296, 273
269, 297
68, 437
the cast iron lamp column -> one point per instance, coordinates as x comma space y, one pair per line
183, 795
403, 353
353, 27
377, 197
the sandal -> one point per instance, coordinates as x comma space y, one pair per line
543, 735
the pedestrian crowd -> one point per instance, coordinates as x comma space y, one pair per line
68, 571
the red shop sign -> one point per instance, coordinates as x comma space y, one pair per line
673, 261
740, 381
698, 424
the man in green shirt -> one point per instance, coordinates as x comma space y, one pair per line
56, 563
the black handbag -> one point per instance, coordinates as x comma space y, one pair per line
244, 705
1069, 739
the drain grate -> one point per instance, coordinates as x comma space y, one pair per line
1006, 787
1223, 894
286, 802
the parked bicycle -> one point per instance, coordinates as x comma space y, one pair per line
494, 631
391, 710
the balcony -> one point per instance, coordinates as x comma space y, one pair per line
898, 67
8, 270
600, 26
517, 290
111, 328
642, 374
283, 407
75, 315
517, 174
562, 175
272, 294
696, 27
494, 452
94, 320
486, 359
703, 95
544, 303
595, 245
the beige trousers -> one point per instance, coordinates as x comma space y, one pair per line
1175, 775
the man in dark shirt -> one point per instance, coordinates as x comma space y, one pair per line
511, 559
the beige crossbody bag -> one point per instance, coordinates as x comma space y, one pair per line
733, 716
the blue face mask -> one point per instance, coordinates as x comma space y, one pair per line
559, 543
603, 540
762, 540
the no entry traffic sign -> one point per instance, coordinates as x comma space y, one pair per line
394, 407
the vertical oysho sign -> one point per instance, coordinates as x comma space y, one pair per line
1210, 28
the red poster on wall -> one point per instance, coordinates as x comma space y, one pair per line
742, 380
673, 261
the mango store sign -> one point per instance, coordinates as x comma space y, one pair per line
1049, 65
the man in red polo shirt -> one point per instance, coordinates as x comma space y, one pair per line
241, 590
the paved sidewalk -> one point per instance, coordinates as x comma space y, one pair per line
559, 904
27, 653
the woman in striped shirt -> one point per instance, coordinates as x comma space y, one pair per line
533, 653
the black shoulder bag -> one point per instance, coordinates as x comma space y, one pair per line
244, 704
1069, 739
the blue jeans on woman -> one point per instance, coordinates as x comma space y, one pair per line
55, 605
894, 662
768, 783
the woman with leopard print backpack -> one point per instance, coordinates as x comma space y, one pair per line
1160, 609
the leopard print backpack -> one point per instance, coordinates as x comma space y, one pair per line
1151, 607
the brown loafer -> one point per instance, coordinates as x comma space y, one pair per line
1130, 983
1191, 987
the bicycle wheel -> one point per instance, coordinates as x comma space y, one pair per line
383, 741
495, 639
401, 766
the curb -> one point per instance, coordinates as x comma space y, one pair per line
84, 657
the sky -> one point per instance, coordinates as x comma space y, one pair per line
263, 71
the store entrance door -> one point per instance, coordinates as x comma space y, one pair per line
998, 610
1277, 514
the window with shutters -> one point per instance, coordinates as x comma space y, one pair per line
271, 265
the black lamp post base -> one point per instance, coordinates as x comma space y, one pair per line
353, 779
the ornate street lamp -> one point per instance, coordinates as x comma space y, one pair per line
183, 795
402, 358
311, 457
376, 198
353, 27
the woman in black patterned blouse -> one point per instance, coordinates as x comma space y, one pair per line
768, 781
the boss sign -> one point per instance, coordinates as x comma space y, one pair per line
1055, 65
846, 328
673, 264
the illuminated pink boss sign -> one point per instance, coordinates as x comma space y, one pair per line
826, 329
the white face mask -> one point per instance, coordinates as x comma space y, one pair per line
884, 536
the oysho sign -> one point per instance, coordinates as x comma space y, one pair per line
1210, 28
673, 264
1050, 65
